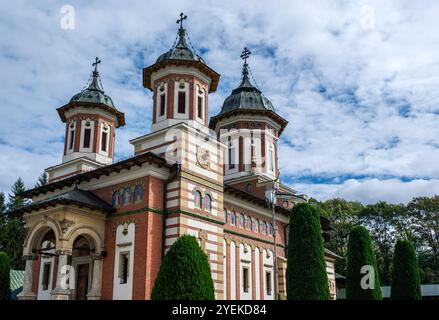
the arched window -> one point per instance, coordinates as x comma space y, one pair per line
138, 193
258, 226
255, 225
242, 220
263, 228
225, 215
116, 199
127, 196
208, 202
233, 217
248, 224
271, 230
197, 199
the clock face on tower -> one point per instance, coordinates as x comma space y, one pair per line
203, 157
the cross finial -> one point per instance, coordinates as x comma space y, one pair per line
245, 54
180, 21
95, 64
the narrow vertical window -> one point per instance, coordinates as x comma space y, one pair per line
233, 218
87, 136
245, 280
162, 104
200, 107
198, 200
231, 156
72, 138
104, 142
182, 102
225, 215
123, 267
242, 220
268, 283
46, 276
208, 202
271, 159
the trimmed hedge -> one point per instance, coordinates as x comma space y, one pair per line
184, 273
406, 281
306, 267
5, 280
360, 253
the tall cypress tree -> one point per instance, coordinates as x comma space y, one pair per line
5, 280
184, 274
406, 281
360, 254
306, 267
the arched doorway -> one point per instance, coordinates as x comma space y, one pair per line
83, 250
45, 248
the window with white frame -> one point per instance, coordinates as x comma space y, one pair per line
71, 136
105, 138
271, 158
124, 264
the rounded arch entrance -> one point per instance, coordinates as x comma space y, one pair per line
86, 248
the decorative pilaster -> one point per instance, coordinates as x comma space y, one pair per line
63, 287
238, 270
253, 272
95, 290
228, 259
261, 273
27, 293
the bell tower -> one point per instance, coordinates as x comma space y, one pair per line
91, 121
180, 81
250, 129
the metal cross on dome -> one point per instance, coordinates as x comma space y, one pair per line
180, 21
245, 54
95, 64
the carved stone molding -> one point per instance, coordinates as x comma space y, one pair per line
63, 252
65, 225
30, 257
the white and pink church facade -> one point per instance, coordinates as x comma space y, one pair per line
110, 223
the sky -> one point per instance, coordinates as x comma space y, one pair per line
357, 81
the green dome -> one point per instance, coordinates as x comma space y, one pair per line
246, 96
93, 93
180, 51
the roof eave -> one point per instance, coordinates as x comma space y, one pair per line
107, 170
271, 114
148, 71
72, 104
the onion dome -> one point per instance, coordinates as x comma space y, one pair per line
181, 51
94, 92
246, 96
93, 97
247, 99
181, 55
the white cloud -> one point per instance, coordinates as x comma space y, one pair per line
373, 190
359, 102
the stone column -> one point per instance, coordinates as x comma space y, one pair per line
95, 290
27, 293
64, 278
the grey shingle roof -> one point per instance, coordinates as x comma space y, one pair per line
76, 196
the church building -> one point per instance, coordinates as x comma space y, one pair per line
99, 229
